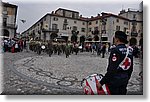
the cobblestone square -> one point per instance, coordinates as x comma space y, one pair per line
29, 73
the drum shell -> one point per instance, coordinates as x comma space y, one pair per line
90, 87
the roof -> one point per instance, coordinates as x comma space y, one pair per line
9, 5
105, 15
66, 10
117, 16
82, 19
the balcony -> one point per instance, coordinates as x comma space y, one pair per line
103, 32
50, 30
134, 34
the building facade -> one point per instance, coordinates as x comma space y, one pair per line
8, 15
106, 25
64, 23
61, 23
136, 25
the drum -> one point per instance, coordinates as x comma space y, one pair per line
43, 47
90, 87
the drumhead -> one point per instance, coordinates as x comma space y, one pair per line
43, 47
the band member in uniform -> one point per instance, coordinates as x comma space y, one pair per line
50, 48
120, 66
67, 50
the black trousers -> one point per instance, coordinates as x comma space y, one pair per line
120, 90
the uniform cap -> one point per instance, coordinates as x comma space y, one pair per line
121, 35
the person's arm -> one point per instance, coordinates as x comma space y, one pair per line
114, 61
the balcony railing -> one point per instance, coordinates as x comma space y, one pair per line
50, 30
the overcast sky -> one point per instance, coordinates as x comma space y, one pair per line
33, 10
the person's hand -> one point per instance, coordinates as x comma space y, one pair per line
99, 86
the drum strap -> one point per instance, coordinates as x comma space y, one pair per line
127, 53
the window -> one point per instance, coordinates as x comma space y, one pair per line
64, 27
4, 22
90, 23
125, 29
5, 12
90, 29
117, 28
134, 16
76, 15
54, 26
96, 22
83, 23
75, 28
117, 20
65, 21
4, 8
75, 22
55, 19
125, 22
82, 29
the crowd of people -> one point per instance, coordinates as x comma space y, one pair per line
98, 48
17, 45
13, 45
68, 48
51, 47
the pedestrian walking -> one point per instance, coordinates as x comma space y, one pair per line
27, 45
107, 48
16, 47
67, 50
93, 47
50, 48
120, 66
103, 50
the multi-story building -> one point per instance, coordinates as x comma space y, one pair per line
105, 26
61, 23
65, 22
136, 25
8, 15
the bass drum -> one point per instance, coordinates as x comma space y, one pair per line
90, 87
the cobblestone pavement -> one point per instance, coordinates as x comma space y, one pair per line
29, 73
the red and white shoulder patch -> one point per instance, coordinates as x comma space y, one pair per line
114, 58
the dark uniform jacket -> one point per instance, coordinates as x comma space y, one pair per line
118, 74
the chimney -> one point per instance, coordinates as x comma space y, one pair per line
98, 14
91, 16
52, 12
103, 13
80, 16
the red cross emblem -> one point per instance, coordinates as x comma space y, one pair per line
126, 64
87, 90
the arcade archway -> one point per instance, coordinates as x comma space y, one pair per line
5, 32
133, 41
